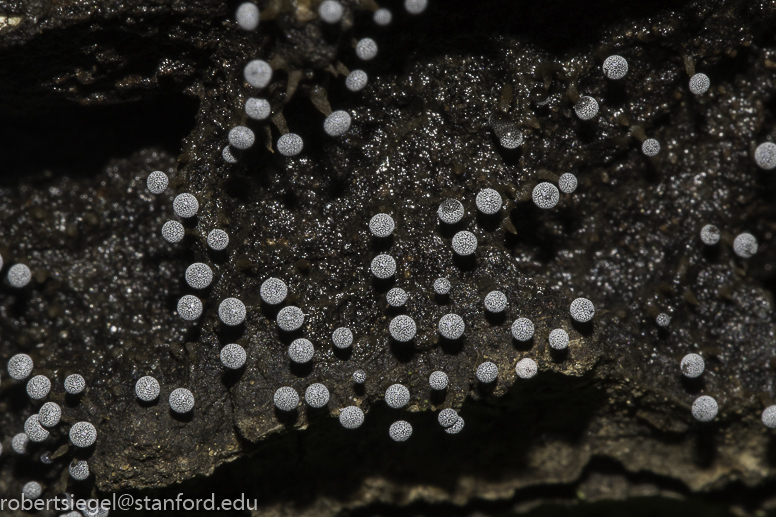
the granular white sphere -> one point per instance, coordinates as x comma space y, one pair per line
559, 339
400, 431
582, 310
1, 262
217, 240
383, 266
286, 398
230, 154
19, 275
356, 80
526, 368
522, 329
450, 211
442, 286
247, 16
351, 417
233, 356
301, 351
316, 395
330, 11
181, 400
382, 17
19, 443
615, 67
438, 380
359, 376
769, 417
49, 414
745, 245
488, 201
157, 182
487, 372
710, 235
172, 231
451, 326
692, 366
337, 124
241, 137
74, 384
147, 388
586, 108
32, 490
273, 291
185, 205
290, 318
545, 195
699, 83
93, 509
258, 73
495, 302
402, 328
79, 470
38, 387
511, 138
231, 312
765, 155
447, 417
397, 396
83, 434
20, 366
290, 144
34, 430
456, 427
464, 243
199, 275
396, 297
650, 147
663, 320
567, 183
366, 49
415, 6
381, 225
189, 307
342, 337
258, 109
705, 408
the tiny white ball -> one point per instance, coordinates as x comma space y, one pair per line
351, 417
247, 16
83, 434
185, 205
526, 368
400, 431
366, 49
705, 408
157, 182
233, 356
382, 17
487, 372
330, 11
19, 275
181, 400
147, 388
438, 380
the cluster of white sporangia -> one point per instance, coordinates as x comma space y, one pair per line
43, 426
402, 328
258, 74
